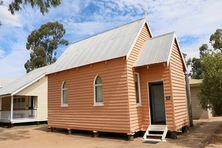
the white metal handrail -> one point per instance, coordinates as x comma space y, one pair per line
24, 114
18, 114
5, 115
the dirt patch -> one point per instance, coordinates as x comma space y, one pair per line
205, 133
216, 139
201, 134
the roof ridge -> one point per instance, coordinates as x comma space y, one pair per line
99, 33
99, 47
161, 35
6, 90
30, 73
38, 69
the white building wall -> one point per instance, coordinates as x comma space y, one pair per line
197, 111
39, 89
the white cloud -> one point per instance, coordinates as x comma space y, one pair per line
2, 52
6, 18
195, 19
191, 49
87, 28
185, 17
12, 64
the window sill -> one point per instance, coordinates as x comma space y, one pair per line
98, 104
64, 105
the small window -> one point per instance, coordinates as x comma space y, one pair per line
137, 88
64, 92
98, 91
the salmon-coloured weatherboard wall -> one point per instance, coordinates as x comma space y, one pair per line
154, 73
81, 112
120, 112
178, 88
135, 111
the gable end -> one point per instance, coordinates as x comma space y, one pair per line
180, 53
134, 42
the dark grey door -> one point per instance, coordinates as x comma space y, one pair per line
157, 107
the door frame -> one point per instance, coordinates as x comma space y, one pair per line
148, 98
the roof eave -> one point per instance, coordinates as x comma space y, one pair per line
148, 26
49, 73
27, 85
134, 42
5, 95
150, 64
171, 48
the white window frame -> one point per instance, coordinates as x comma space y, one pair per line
62, 89
138, 77
94, 91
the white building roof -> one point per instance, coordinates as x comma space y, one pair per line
156, 50
23, 82
5, 81
108, 45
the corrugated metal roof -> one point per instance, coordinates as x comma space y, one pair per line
108, 45
23, 81
5, 81
156, 50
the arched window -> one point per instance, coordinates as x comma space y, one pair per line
64, 94
98, 91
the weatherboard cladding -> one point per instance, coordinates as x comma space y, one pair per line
120, 112
178, 87
154, 73
135, 111
108, 45
81, 113
155, 50
23, 81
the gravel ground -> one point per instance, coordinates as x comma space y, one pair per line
206, 133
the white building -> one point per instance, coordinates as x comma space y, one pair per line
25, 99
197, 111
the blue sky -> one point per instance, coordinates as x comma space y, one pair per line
193, 21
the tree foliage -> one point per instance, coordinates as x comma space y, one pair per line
43, 43
43, 5
196, 68
211, 88
216, 40
195, 63
210, 63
